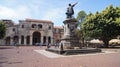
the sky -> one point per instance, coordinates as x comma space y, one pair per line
53, 10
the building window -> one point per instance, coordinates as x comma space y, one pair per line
22, 26
54, 30
49, 28
28, 40
49, 39
15, 39
8, 40
33, 25
44, 39
13, 29
68, 26
22, 39
39, 26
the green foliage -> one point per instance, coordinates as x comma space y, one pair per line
2, 29
81, 18
104, 25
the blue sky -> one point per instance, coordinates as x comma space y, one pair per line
53, 10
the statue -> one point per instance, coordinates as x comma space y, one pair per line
70, 10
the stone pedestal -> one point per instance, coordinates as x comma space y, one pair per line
70, 39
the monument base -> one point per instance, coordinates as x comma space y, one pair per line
74, 51
70, 39
70, 43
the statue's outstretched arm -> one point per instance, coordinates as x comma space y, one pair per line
74, 4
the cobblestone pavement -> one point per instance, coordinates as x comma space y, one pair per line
26, 56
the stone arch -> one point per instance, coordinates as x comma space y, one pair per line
49, 39
15, 39
36, 37
44, 39
40, 26
22, 39
7, 41
33, 25
28, 39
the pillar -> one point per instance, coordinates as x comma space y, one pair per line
11, 41
25, 40
42, 39
31, 40
19, 40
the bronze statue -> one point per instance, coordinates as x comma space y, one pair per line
70, 10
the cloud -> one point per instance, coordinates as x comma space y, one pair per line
16, 10
14, 13
54, 15
6, 12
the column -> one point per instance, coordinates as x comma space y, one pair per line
47, 39
52, 41
42, 39
31, 40
19, 40
25, 40
11, 41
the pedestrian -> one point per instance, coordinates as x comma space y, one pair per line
40, 44
48, 45
55, 45
17, 44
61, 47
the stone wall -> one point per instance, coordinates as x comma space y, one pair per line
2, 42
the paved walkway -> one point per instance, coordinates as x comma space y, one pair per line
35, 57
49, 54
54, 55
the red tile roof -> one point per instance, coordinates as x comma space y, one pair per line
41, 21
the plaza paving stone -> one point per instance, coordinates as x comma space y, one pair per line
26, 56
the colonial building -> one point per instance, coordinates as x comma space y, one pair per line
58, 33
29, 32
9, 24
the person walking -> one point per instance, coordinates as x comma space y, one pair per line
40, 44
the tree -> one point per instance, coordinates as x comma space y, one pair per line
81, 18
104, 25
2, 29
